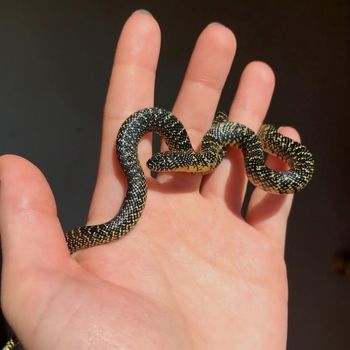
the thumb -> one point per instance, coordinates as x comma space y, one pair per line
32, 240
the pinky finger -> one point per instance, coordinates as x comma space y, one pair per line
267, 212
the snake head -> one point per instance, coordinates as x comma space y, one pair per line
183, 161
169, 161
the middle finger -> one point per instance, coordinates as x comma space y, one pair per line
205, 77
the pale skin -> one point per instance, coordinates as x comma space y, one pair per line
193, 273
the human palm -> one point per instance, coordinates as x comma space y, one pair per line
193, 273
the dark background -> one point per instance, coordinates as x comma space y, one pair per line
55, 60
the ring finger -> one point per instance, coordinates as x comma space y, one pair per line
228, 182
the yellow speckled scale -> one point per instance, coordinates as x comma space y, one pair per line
224, 133
11, 344
181, 157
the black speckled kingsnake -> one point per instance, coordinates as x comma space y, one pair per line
181, 157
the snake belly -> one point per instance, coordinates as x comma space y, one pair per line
224, 133
156, 120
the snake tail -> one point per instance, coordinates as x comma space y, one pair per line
11, 344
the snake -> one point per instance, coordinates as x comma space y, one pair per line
181, 157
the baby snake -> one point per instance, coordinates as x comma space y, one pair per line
182, 157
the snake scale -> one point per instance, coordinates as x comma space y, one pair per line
182, 157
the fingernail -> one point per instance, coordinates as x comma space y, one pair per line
216, 24
143, 11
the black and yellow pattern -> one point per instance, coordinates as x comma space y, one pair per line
11, 344
181, 157
138, 124
224, 133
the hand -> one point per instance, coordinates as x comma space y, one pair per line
193, 273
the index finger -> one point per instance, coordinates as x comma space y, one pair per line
131, 88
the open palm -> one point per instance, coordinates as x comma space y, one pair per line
193, 273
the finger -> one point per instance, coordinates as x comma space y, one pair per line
205, 77
267, 212
228, 182
131, 88
32, 240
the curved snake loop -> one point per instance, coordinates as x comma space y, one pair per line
181, 157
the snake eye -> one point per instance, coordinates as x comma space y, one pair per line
152, 164
158, 162
166, 161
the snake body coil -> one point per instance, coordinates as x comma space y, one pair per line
181, 157
224, 133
